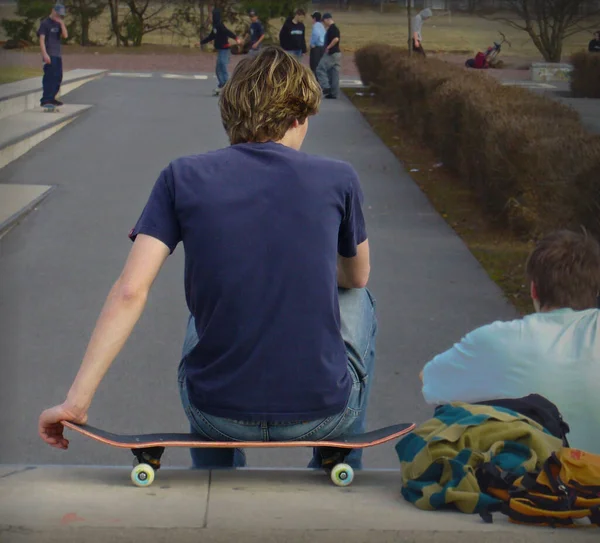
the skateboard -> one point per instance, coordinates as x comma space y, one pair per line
147, 449
50, 108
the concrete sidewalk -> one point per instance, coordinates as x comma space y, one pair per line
59, 263
84, 504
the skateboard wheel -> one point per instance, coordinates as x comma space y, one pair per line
342, 475
142, 475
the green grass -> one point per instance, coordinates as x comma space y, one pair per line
500, 254
8, 74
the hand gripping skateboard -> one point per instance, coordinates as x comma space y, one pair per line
148, 448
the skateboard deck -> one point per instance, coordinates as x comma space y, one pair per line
49, 108
148, 448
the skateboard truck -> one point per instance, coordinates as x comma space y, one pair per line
333, 462
148, 461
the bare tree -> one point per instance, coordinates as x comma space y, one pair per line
550, 22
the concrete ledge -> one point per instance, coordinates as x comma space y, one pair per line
550, 71
74, 504
26, 94
24, 130
18, 200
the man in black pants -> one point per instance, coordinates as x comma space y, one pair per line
317, 41
51, 30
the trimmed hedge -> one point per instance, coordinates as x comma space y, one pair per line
528, 158
585, 78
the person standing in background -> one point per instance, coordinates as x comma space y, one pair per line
328, 70
317, 41
51, 30
220, 34
257, 33
417, 27
292, 34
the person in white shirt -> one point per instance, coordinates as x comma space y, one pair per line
554, 352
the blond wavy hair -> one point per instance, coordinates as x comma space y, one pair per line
265, 95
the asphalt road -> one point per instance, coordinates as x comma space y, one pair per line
57, 266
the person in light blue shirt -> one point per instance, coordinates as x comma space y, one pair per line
317, 41
554, 352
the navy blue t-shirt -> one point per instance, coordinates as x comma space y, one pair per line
261, 226
53, 33
256, 31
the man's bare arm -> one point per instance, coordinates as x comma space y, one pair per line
121, 311
45, 55
354, 272
64, 32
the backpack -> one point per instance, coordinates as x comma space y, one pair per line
480, 61
565, 490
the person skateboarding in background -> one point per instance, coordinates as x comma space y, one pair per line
220, 34
257, 33
292, 36
280, 342
417, 29
50, 32
328, 70
317, 41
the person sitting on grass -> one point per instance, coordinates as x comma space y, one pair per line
554, 352
280, 342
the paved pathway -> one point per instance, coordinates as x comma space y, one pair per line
58, 265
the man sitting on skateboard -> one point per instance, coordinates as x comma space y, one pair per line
281, 338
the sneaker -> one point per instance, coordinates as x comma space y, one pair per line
56, 102
330, 97
326, 92
216, 92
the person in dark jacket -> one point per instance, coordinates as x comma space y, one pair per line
594, 46
220, 34
292, 35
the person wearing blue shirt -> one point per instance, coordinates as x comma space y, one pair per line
257, 33
317, 41
280, 341
50, 32
554, 352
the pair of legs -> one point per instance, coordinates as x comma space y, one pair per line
223, 58
316, 54
52, 79
358, 328
297, 53
328, 73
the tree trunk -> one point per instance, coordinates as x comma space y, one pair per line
85, 29
114, 19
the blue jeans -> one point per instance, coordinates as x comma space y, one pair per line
223, 58
297, 53
358, 328
53, 74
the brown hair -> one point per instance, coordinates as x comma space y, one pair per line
265, 95
565, 269
300, 11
